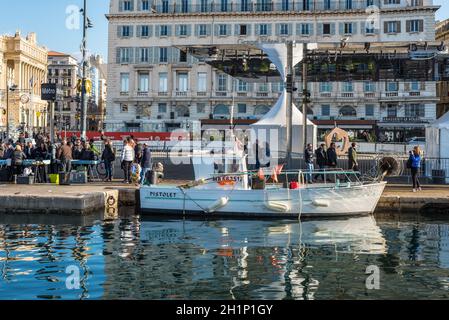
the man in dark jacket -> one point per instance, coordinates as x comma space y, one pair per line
308, 158
146, 162
30, 151
353, 157
321, 159
332, 157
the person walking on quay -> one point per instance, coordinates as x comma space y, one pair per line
17, 160
415, 164
308, 158
353, 158
332, 157
146, 162
108, 157
41, 153
65, 154
127, 161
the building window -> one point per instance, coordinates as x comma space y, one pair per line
283, 31
243, 30
128, 5
126, 31
164, 31
392, 111
348, 28
326, 29
325, 87
144, 82
244, 5
224, 5
221, 109
305, 29
241, 108
222, 82
369, 110
202, 30
393, 27
124, 82
163, 82
163, 55
162, 108
222, 30
261, 110
415, 110
202, 82
370, 86
165, 6
392, 87
144, 31
326, 110
184, 6
144, 55
183, 30
204, 6
183, 82
242, 86
348, 111
348, 87
125, 55
263, 87
263, 29
415, 86
145, 5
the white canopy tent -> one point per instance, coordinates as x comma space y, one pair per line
272, 128
437, 145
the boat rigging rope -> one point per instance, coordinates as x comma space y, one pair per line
205, 210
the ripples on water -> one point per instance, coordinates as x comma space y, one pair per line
141, 258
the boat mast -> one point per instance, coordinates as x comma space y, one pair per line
289, 101
305, 95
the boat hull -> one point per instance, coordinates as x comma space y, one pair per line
316, 202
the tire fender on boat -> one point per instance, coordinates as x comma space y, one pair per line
277, 206
220, 203
321, 203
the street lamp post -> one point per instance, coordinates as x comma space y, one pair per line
86, 25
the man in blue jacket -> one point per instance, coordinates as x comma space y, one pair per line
146, 162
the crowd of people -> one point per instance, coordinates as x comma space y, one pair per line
135, 157
327, 159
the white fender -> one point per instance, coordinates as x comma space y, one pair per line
277, 206
321, 203
220, 203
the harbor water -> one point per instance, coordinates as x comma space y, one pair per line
133, 257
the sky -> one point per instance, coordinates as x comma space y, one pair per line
48, 18
54, 27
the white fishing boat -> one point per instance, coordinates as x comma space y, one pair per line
229, 190
225, 188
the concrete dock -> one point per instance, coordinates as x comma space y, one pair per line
95, 197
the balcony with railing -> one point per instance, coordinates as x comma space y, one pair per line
184, 7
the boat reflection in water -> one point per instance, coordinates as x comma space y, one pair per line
142, 258
245, 252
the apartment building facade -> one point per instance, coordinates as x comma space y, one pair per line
154, 86
23, 67
63, 70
